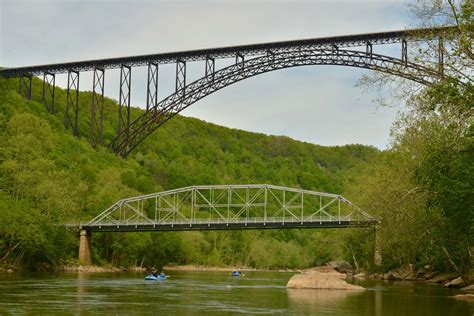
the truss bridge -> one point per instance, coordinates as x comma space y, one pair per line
224, 207
215, 207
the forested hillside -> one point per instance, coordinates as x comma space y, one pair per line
49, 177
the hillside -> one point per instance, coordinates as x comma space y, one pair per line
48, 176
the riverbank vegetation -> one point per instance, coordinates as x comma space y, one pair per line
422, 186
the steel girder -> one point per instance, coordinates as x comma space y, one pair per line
144, 125
345, 41
230, 207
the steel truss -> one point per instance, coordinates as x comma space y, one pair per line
124, 99
345, 41
230, 207
96, 134
210, 68
180, 77
49, 83
72, 101
152, 86
173, 104
24, 87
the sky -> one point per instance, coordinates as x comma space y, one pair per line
316, 104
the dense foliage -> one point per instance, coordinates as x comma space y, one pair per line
423, 186
49, 177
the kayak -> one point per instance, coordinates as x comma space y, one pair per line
155, 278
236, 274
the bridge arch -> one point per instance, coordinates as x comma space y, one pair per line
157, 115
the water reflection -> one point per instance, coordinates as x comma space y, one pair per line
81, 290
320, 298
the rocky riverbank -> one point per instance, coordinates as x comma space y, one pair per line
424, 274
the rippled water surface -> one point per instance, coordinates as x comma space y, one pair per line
204, 293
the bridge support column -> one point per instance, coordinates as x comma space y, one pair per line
49, 84
210, 68
72, 101
440, 55
180, 77
85, 247
124, 100
377, 250
152, 86
25, 85
404, 52
239, 60
97, 123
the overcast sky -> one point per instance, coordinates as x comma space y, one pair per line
317, 104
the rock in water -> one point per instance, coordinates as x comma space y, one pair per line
468, 288
464, 297
458, 282
321, 278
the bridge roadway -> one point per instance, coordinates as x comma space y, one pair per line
244, 224
344, 41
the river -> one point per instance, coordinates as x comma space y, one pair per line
197, 293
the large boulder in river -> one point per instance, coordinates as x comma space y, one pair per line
321, 278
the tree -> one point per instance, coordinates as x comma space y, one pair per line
433, 148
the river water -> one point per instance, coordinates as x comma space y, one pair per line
204, 293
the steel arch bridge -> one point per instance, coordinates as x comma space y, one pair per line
250, 60
147, 123
224, 207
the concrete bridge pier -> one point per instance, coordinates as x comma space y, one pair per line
85, 247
